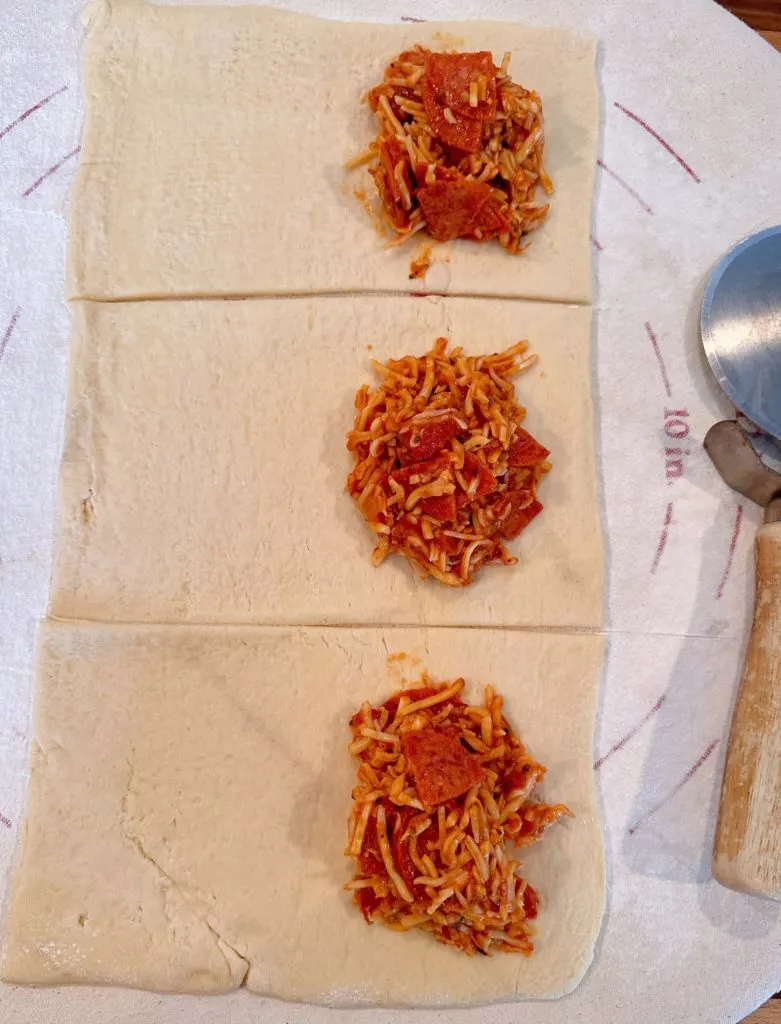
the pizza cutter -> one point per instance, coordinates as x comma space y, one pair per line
741, 333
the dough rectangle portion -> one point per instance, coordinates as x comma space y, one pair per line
188, 802
203, 478
218, 169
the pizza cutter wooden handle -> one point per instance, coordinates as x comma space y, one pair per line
747, 849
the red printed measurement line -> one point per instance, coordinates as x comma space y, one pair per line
673, 792
48, 173
668, 518
626, 186
32, 109
9, 331
731, 551
658, 137
632, 732
5, 821
417, 21
659, 358
596, 244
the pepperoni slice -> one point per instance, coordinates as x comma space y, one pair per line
531, 902
368, 901
441, 173
450, 545
443, 508
491, 221
445, 88
452, 74
453, 209
426, 469
517, 778
384, 174
525, 450
370, 859
522, 511
463, 135
441, 767
475, 467
398, 821
427, 438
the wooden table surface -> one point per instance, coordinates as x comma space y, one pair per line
770, 1013
765, 17
762, 15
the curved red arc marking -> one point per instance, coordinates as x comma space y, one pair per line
658, 137
668, 518
9, 331
31, 110
731, 551
596, 244
48, 173
5, 821
659, 357
632, 732
625, 185
676, 789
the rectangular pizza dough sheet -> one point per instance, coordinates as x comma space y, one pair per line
203, 478
214, 151
189, 796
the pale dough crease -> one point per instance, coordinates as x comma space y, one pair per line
203, 478
128, 875
214, 150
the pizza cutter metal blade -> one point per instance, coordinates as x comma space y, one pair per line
741, 334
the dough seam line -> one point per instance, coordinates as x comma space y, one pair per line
387, 627
274, 296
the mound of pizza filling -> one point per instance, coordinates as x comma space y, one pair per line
443, 788
459, 153
444, 473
